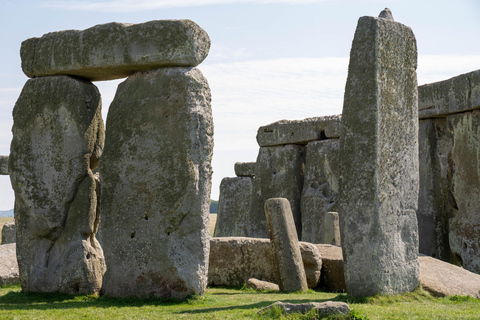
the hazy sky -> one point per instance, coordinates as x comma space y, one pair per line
269, 60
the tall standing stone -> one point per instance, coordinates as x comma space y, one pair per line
379, 160
156, 181
57, 140
8, 233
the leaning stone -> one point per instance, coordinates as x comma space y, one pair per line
115, 50
332, 276
323, 308
234, 207
286, 250
8, 266
4, 165
379, 161
260, 285
57, 140
8, 233
458, 94
299, 131
156, 182
245, 169
320, 187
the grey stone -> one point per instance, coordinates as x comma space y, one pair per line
8, 267
331, 229
4, 165
386, 14
115, 50
279, 173
332, 276
234, 260
245, 169
458, 94
8, 233
234, 207
156, 182
379, 161
465, 187
286, 250
57, 139
320, 187
323, 308
299, 131
260, 285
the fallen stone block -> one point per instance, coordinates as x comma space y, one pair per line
332, 276
8, 265
260, 285
9, 233
323, 308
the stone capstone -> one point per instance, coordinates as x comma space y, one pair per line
156, 182
8, 233
245, 169
8, 267
323, 308
4, 165
58, 136
115, 50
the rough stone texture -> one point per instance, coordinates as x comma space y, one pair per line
57, 139
465, 163
286, 251
260, 285
115, 50
156, 181
245, 169
299, 131
444, 279
379, 161
8, 233
278, 174
323, 308
435, 202
331, 229
4, 165
234, 207
458, 94
8, 265
320, 187
235, 260
332, 276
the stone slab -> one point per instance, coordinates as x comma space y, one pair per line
260, 285
324, 309
4, 165
8, 267
332, 277
8, 233
115, 50
245, 169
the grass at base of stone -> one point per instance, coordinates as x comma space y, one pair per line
227, 303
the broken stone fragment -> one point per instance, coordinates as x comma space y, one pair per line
8, 233
4, 165
323, 308
260, 285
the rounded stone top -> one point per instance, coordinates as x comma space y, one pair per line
387, 14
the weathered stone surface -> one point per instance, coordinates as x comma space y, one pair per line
156, 181
115, 50
332, 276
435, 202
4, 165
8, 233
245, 169
465, 163
57, 139
299, 131
323, 308
286, 251
234, 207
331, 229
379, 161
445, 279
278, 173
320, 187
234, 260
8, 265
260, 285
458, 94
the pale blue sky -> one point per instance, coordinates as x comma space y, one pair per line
269, 60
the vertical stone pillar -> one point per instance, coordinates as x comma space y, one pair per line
286, 249
156, 181
331, 229
379, 160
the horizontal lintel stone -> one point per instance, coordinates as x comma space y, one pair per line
245, 169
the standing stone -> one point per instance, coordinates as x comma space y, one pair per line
4, 165
8, 266
233, 207
320, 187
156, 181
379, 161
8, 233
331, 229
286, 249
278, 173
58, 137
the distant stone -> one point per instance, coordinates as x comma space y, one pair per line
386, 14
331, 229
8, 233
458, 94
299, 131
332, 277
260, 285
8, 266
4, 165
323, 308
115, 50
156, 182
245, 169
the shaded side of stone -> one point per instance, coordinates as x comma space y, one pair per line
245, 169
8, 267
234, 207
4, 165
156, 182
320, 187
379, 161
115, 50
332, 277
8, 233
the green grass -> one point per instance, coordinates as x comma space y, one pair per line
223, 303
